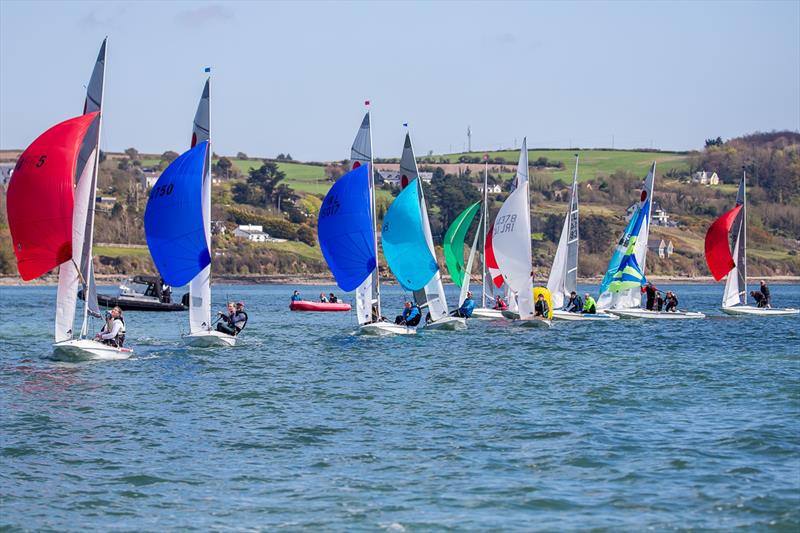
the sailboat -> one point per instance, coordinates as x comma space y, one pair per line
430, 297
620, 290
347, 235
177, 223
563, 278
511, 242
721, 262
453, 245
52, 221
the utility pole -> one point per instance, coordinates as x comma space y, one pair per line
469, 139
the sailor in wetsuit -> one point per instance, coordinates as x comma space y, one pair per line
234, 321
113, 332
541, 309
465, 311
575, 304
410, 317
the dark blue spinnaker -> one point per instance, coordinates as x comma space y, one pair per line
345, 229
173, 219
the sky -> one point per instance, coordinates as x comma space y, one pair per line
293, 77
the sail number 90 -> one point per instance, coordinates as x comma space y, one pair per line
162, 190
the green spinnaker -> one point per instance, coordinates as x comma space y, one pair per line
454, 243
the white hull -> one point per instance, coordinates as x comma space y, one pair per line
581, 317
656, 315
448, 323
386, 328
527, 322
89, 349
208, 339
487, 313
758, 311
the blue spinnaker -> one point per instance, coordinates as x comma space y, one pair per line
345, 230
173, 219
404, 243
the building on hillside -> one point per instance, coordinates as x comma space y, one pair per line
395, 177
218, 227
148, 177
492, 189
659, 216
705, 177
6, 170
254, 233
663, 248
105, 203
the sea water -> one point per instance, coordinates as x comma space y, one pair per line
620, 425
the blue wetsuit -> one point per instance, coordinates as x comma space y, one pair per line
466, 308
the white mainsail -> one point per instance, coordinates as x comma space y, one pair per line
632, 298
432, 294
368, 294
564, 273
200, 286
736, 284
80, 269
511, 239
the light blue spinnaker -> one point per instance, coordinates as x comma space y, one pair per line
345, 229
625, 246
173, 219
404, 243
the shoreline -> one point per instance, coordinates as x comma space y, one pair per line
327, 279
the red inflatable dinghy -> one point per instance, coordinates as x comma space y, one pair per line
303, 305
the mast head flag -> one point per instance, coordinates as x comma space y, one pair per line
345, 229
40, 198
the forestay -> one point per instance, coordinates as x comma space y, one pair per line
368, 293
200, 285
624, 295
432, 295
404, 243
345, 230
563, 278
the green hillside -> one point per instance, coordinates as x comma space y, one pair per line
592, 162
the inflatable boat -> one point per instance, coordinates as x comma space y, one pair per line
304, 305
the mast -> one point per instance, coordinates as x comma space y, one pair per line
89, 292
376, 284
744, 232
485, 225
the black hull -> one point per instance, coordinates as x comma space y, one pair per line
104, 300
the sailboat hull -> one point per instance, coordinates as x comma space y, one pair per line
527, 322
657, 315
487, 313
581, 317
209, 339
448, 323
758, 311
386, 328
87, 349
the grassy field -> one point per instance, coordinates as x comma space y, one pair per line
300, 249
592, 162
121, 251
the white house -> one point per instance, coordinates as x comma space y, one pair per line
659, 216
6, 169
395, 177
705, 177
493, 189
251, 232
662, 248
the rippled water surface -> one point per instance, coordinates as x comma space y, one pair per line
624, 425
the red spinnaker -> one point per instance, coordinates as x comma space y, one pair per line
40, 197
491, 262
718, 248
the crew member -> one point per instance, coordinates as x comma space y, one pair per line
575, 304
541, 308
765, 291
411, 315
758, 296
333, 299
467, 307
500, 304
296, 296
659, 301
113, 332
322, 298
589, 305
671, 302
650, 291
